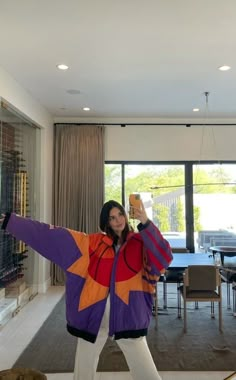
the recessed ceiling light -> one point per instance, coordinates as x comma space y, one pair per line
73, 92
224, 68
86, 109
61, 66
195, 109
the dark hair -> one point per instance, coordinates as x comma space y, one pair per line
104, 220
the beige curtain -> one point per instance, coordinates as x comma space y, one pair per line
78, 180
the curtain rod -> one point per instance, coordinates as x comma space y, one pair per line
126, 124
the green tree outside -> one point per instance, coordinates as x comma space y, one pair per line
149, 177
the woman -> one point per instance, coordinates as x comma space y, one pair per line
110, 280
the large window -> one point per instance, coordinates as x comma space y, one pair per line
113, 182
189, 202
214, 200
161, 189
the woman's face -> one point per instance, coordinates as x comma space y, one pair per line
117, 220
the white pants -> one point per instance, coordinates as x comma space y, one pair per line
136, 352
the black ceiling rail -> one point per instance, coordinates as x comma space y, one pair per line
127, 124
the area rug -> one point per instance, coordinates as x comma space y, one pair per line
202, 348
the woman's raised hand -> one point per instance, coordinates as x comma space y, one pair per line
140, 213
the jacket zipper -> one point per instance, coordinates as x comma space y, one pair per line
112, 296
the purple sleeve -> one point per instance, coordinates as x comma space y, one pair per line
158, 248
54, 243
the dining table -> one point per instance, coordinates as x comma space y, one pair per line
182, 260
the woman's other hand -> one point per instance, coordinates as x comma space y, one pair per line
2, 218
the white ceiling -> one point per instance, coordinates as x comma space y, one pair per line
127, 58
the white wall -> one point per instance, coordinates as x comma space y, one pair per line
165, 142
170, 143
20, 99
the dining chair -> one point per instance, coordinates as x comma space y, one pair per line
202, 283
229, 276
155, 306
173, 277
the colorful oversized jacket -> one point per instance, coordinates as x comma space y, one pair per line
94, 270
